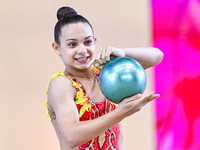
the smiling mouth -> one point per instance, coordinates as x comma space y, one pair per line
81, 59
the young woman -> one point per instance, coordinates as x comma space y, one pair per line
82, 117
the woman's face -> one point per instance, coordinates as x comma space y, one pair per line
77, 45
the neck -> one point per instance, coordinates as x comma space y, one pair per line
85, 74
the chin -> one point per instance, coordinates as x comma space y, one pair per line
82, 67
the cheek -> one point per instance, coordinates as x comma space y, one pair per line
67, 52
67, 55
93, 49
92, 52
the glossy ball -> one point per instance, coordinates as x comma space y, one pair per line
122, 77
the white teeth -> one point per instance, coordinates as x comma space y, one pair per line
82, 59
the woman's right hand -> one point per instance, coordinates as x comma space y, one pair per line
105, 54
135, 103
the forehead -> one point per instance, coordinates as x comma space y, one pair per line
76, 30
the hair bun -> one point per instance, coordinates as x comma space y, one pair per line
64, 12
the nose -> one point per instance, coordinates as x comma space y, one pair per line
81, 49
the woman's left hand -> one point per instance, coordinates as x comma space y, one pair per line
105, 54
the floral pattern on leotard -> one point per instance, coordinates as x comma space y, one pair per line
88, 110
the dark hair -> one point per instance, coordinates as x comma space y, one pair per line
66, 16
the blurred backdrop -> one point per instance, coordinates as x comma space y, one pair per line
27, 60
176, 31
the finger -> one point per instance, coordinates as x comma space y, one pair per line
108, 53
91, 62
93, 59
149, 97
103, 55
97, 64
98, 60
141, 102
132, 98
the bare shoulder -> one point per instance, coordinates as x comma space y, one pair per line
59, 82
60, 92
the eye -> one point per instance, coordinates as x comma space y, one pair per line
88, 42
72, 44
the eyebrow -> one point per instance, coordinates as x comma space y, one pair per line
76, 39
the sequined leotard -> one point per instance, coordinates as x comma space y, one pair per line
111, 138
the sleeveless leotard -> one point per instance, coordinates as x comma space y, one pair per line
88, 110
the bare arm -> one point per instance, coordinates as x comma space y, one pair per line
61, 98
146, 56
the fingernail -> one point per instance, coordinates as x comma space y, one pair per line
139, 95
96, 65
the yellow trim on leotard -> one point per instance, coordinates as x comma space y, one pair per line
80, 98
